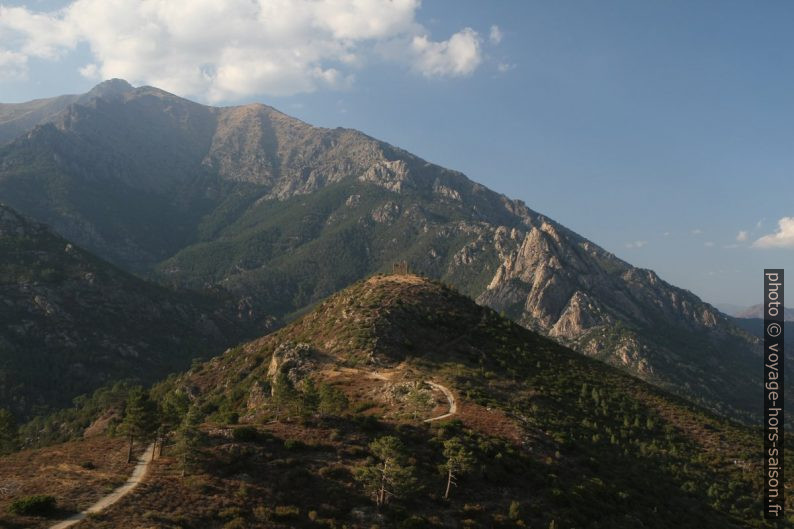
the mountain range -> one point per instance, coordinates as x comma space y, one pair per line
757, 311
279, 214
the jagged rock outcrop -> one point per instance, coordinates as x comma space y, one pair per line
293, 359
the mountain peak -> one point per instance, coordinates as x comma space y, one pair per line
111, 87
386, 319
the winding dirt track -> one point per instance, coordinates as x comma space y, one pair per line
141, 467
390, 374
453, 405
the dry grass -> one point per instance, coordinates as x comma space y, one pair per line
489, 421
77, 473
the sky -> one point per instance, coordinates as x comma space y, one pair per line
662, 131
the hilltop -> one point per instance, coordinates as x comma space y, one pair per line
554, 436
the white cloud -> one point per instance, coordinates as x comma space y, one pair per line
458, 56
224, 49
496, 35
13, 66
697, 231
742, 236
504, 67
636, 244
782, 238
666, 234
708, 244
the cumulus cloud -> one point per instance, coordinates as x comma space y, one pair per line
495, 35
636, 244
458, 56
223, 49
782, 238
742, 236
13, 66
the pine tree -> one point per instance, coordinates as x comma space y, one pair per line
459, 460
188, 440
332, 400
418, 400
285, 396
173, 409
8, 432
389, 476
310, 400
140, 418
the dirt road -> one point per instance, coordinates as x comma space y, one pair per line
138, 473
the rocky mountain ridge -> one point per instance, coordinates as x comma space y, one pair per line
281, 214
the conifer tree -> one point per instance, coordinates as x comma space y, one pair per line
389, 475
140, 418
418, 400
459, 460
310, 400
285, 396
332, 400
173, 409
189, 439
8, 432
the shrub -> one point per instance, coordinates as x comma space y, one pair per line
368, 423
237, 523
38, 505
514, 512
245, 434
263, 513
364, 406
332, 471
293, 444
286, 511
414, 522
230, 513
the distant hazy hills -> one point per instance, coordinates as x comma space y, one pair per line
281, 214
71, 322
757, 311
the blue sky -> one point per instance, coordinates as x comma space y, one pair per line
658, 130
